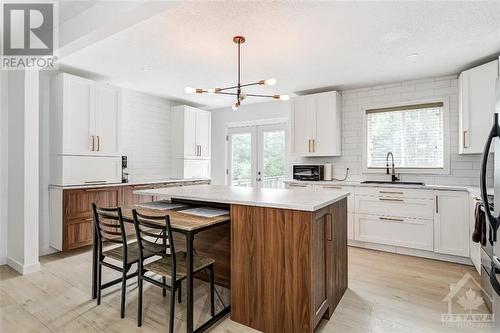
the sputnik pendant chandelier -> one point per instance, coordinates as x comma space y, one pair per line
235, 90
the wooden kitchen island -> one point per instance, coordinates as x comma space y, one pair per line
287, 254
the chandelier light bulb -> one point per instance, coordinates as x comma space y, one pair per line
284, 97
211, 91
235, 107
189, 90
270, 82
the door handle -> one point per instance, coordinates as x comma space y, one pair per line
388, 199
314, 145
390, 219
98, 143
494, 220
437, 204
309, 145
93, 142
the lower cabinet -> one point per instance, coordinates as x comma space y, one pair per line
75, 223
71, 220
451, 223
396, 231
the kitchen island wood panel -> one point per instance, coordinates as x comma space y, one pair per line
287, 266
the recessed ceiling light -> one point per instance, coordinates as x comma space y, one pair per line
413, 55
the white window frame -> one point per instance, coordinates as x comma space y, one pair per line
445, 170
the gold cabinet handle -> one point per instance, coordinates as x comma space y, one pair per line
437, 204
309, 145
389, 192
389, 199
464, 138
93, 142
390, 219
314, 145
98, 143
333, 187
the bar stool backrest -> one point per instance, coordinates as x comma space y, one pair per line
149, 229
106, 230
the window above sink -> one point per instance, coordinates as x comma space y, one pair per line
416, 133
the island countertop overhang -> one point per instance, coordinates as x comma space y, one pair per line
303, 200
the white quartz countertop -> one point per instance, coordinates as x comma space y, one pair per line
130, 183
306, 200
471, 190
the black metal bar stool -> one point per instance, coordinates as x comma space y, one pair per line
172, 265
109, 226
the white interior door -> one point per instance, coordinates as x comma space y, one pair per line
257, 155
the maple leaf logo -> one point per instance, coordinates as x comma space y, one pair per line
470, 301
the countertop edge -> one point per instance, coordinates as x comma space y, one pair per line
306, 208
134, 183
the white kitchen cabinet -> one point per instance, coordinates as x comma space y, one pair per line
78, 170
190, 137
203, 135
190, 132
85, 117
451, 223
476, 106
108, 120
396, 231
475, 248
317, 125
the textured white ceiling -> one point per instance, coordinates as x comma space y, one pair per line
304, 45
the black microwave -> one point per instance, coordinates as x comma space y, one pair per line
309, 172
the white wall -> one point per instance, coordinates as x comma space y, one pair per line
3, 165
146, 135
247, 112
464, 169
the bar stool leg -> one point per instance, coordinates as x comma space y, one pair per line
164, 280
139, 302
212, 289
124, 288
179, 295
172, 309
99, 279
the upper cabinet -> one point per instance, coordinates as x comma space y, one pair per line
317, 125
191, 142
476, 106
190, 132
85, 117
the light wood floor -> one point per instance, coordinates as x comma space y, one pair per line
387, 293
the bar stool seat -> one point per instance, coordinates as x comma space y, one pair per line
163, 266
117, 253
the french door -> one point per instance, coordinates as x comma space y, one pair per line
257, 155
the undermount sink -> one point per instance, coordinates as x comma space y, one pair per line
391, 183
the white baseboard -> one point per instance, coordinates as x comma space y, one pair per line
46, 250
411, 252
23, 269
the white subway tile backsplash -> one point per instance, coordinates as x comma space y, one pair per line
464, 169
145, 135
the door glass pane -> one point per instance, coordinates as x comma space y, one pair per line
273, 159
241, 159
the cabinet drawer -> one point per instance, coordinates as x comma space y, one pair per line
299, 186
404, 232
395, 207
77, 170
394, 192
350, 199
